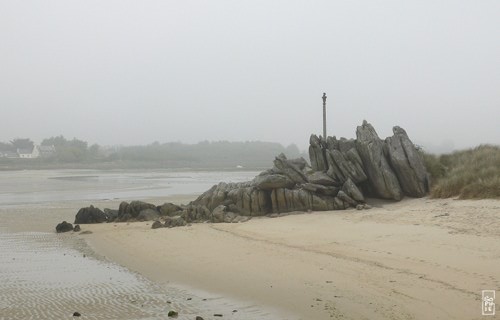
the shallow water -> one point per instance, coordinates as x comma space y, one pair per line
44, 275
39, 186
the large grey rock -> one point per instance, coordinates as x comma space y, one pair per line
111, 214
177, 221
346, 165
353, 191
382, 178
219, 213
289, 169
133, 209
90, 215
148, 215
157, 224
169, 209
286, 200
317, 154
64, 227
272, 181
319, 177
320, 189
196, 213
344, 197
243, 198
407, 164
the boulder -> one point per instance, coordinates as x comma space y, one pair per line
77, 228
177, 221
137, 206
157, 224
286, 200
346, 199
127, 211
196, 213
407, 164
319, 177
320, 189
218, 214
148, 215
64, 227
272, 181
346, 165
289, 169
90, 215
230, 217
300, 163
353, 191
111, 214
169, 209
381, 177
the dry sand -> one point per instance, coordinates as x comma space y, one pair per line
415, 259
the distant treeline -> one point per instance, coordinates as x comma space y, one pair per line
78, 154
207, 154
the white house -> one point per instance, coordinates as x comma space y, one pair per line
28, 153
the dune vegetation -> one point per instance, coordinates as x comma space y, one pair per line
468, 174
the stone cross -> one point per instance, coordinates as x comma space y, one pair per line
324, 116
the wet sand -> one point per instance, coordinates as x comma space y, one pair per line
44, 275
416, 259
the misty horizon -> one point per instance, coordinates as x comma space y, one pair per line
131, 73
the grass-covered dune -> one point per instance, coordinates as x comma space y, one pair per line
468, 174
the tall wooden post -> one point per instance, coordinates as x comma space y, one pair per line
324, 116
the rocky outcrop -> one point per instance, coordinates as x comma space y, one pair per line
342, 173
381, 177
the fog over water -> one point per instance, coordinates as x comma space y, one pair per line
134, 72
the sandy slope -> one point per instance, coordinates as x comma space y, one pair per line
416, 259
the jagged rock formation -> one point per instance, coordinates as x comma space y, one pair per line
406, 163
342, 172
382, 179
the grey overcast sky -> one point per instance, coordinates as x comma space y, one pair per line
134, 72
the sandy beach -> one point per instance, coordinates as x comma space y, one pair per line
415, 259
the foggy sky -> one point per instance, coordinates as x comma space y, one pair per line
134, 72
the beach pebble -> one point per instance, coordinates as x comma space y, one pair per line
218, 315
199, 318
157, 224
76, 314
173, 314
